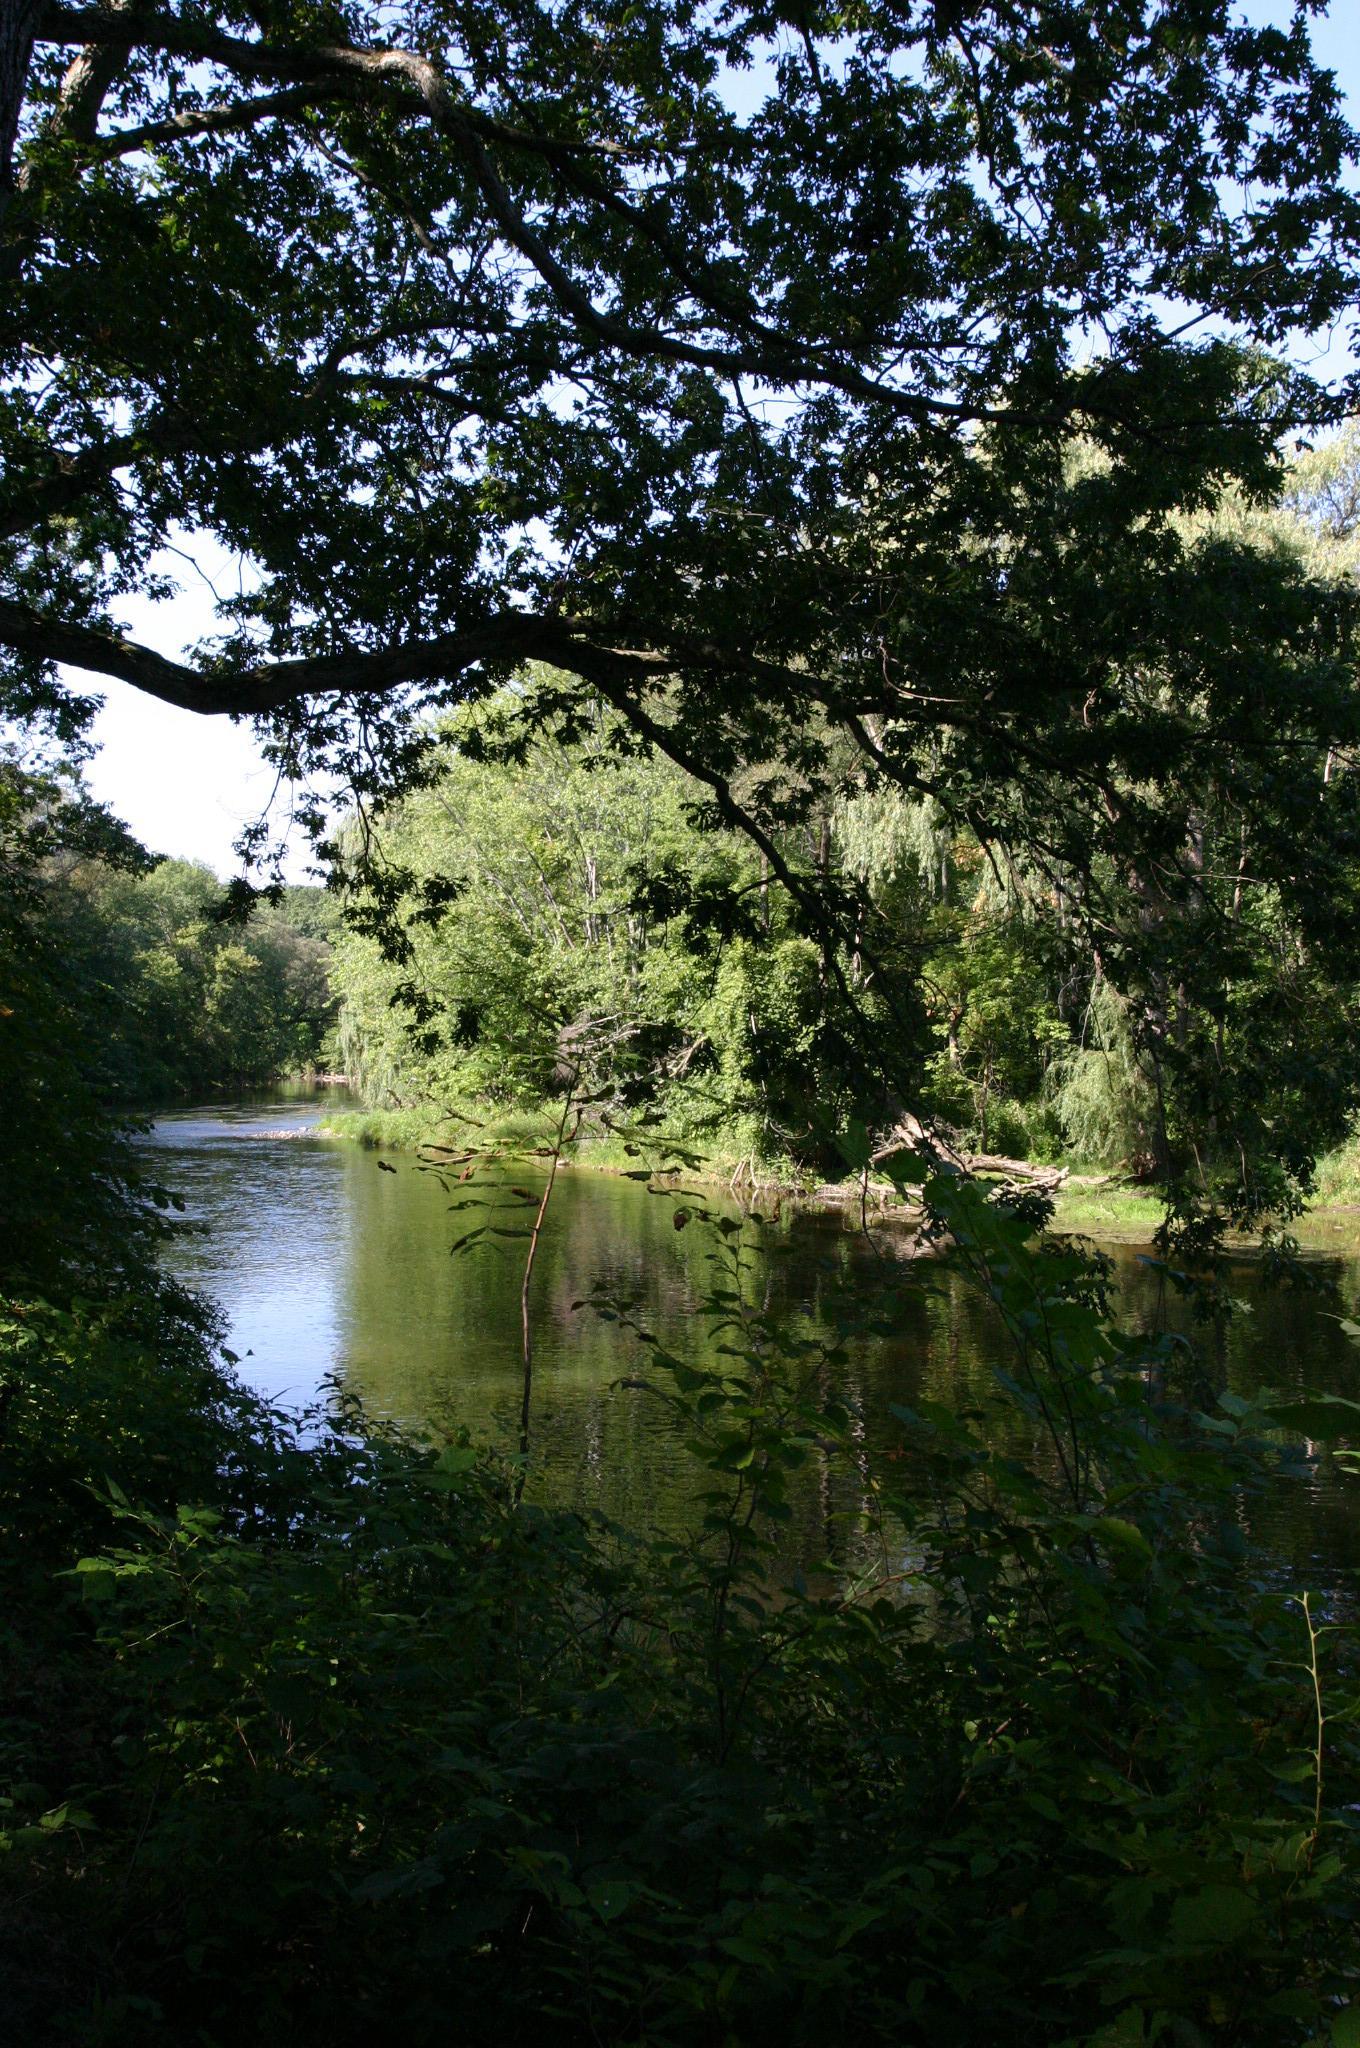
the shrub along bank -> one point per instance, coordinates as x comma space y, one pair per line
318, 1728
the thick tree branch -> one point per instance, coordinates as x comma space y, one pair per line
247, 691
271, 685
576, 645
19, 21
87, 80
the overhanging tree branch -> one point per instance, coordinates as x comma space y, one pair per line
256, 690
251, 690
419, 84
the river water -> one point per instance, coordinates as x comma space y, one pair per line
327, 1265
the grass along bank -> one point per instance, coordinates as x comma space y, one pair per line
1114, 1212
730, 1159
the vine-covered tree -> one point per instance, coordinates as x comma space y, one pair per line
735, 361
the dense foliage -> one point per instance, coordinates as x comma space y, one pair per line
70, 1213
841, 398
163, 991
871, 416
192, 1000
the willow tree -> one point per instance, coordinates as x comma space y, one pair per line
730, 359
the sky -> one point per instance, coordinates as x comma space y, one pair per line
187, 784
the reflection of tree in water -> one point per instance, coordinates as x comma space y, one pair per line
1279, 1337
435, 1339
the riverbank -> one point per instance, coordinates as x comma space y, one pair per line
522, 1133
1087, 1204
1127, 1215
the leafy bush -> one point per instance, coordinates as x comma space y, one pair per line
329, 1732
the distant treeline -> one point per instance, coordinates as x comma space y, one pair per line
172, 997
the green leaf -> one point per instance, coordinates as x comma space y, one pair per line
745, 1951
1213, 1917
456, 1458
611, 1897
855, 1923
906, 1169
855, 1147
1125, 1538
98, 1579
1320, 1416
1127, 2031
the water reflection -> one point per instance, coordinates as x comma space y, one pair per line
325, 1263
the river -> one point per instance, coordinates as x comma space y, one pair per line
329, 1266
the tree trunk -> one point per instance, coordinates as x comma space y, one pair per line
18, 25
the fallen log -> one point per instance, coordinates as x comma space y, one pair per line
1013, 1169
911, 1135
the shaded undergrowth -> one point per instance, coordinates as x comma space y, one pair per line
318, 1727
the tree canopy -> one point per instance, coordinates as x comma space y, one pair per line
841, 395
508, 333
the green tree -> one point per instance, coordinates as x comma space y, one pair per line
553, 922
735, 365
187, 999
74, 1216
